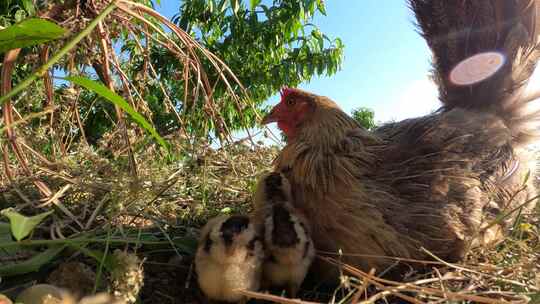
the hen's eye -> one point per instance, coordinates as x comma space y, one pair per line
290, 102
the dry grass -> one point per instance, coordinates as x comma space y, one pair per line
103, 207
163, 208
119, 195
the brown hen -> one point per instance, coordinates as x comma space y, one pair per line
436, 182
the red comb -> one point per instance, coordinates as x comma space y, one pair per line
285, 91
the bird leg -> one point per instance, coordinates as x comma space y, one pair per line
292, 290
265, 285
244, 300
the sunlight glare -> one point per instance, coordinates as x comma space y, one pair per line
477, 68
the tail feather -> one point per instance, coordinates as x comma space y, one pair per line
457, 30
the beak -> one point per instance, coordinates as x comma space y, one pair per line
271, 117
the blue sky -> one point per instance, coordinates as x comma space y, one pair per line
386, 62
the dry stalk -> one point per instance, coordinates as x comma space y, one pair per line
192, 46
454, 266
7, 68
79, 122
273, 298
150, 66
106, 71
47, 80
362, 288
413, 286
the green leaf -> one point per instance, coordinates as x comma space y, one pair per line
33, 264
222, 6
226, 210
109, 262
253, 4
319, 37
267, 11
22, 226
5, 237
29, 32
29, 7
235, 6
365, 117
186, 244
116, 99
320, 6
526, 178
5, 231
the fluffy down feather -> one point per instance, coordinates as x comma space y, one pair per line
289, 247
229, 257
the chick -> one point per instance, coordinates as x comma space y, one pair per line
229, 257
289, 248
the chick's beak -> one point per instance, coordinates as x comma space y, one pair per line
270, 117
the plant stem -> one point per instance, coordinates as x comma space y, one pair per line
102, 262
63, 51
81, 240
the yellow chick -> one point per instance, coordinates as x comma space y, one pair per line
289, 248
229, 258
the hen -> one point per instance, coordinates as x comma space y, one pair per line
436, 182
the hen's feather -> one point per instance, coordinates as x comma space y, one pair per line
457, 30
436, 182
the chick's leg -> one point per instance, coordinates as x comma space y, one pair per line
244, 300
265, 284
292, 290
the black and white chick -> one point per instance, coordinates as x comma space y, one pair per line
288, 244
229, 258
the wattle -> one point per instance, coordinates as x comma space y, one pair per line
286, 128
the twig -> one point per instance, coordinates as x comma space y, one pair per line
7, 68
387, 291
273, 298
79, 122
37, 154
58, 55
362, 288
107, 49
57, 203
412, 287
55, 197
49, 91
427, 262
95, 213
29, 117
476, 272
153, 70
